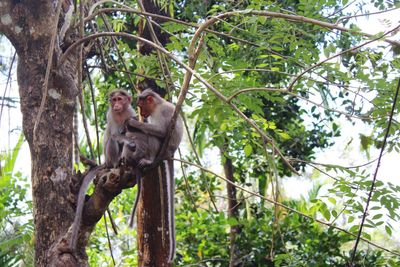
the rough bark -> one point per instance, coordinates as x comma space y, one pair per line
28, 25
152, 219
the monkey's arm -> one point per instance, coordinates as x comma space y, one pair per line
148, 128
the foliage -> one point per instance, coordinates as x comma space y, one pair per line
264, 55
16, 235
251, 61
296, 241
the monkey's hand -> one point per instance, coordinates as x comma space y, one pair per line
144, 163
133, 123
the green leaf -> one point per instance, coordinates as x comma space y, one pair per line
377, 216
332, 200
248, 149
388, 230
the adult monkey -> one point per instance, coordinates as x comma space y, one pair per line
119, 111
158, 112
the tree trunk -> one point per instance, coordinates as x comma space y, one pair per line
152, 219
29, 25
233, 211
26, 24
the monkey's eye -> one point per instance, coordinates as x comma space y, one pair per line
116, 99
132, 146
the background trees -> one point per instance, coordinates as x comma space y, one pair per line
270, 91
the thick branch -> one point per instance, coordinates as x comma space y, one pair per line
297, 18
108, 185
185, 87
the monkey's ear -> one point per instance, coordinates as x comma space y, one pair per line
129, 98
150, 99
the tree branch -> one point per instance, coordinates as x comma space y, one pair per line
365, 213
365, 14
286, 91
8, 84
290, 87
246, 13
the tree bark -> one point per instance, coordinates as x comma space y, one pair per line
26, 25
152, 219
29, 27
233, 210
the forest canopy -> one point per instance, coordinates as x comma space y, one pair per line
289, 108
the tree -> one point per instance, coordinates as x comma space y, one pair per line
254, 64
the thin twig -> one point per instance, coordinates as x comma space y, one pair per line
80, 78
342, 8
325, 82
285, 91
289, 208
160, 56
96, 122
48, 68
197, 158
334, 165
114, 41
7, 83
125, 71
290, 87
187, 184
376, 173
365, 14
100, 47
84, 120
108, 239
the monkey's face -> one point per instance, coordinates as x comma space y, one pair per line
119, 103
146, 106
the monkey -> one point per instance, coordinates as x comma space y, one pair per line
158, 113
119, 111
139, 150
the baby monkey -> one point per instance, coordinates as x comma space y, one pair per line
139, 150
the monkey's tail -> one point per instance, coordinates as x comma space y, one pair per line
79, 207
171, 216
139, 189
